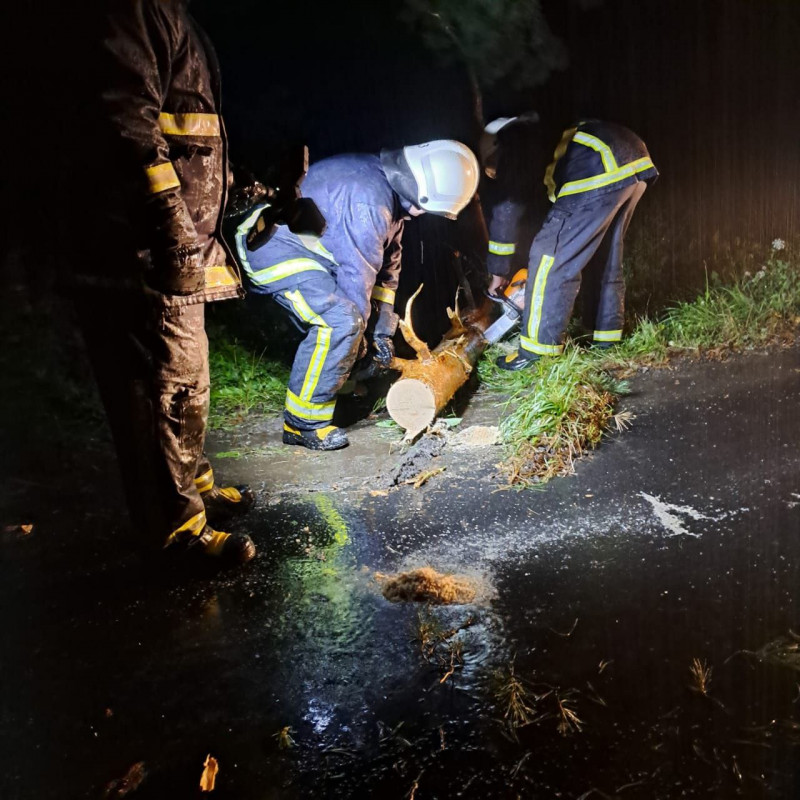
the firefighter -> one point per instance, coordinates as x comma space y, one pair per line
335, 285
156, 185
598, 175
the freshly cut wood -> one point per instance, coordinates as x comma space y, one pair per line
428, 382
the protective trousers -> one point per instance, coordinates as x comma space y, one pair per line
333, 329
150, 360
581, 231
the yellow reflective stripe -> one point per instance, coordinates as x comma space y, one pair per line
220, 275
205, 482
314, 244
607, 336
284, 270
599, 146
241, 234
304, 310
625, 171
540, 349
561, 148
317, 363
502, 248
307, 410
538, 296
306, 313
193, 526
189, 124
162, 177
383, 295
231, 493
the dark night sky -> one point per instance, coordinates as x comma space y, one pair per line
710, 85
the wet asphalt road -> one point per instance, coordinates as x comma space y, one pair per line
677, 540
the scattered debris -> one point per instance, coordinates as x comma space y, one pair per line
569, 632
456, 650
424, 477
569, 721
426, 585
414, 786
669, 520
603, 664
284, 737
417, 459
623, 420
783, 651
378, 493
130, 782
701, 676
18, 530
209, 776
513, 698
476, 436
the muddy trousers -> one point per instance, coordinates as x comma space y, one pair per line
333, 329
150, 360
582, 233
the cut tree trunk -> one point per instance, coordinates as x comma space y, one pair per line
428, 382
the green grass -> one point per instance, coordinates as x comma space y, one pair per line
242, 382
563, 407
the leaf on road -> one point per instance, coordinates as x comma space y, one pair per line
23, 530
209, 776
130, 782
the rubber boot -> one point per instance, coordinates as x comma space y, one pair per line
516, 361
224, 502
327, 438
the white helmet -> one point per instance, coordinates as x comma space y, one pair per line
489, 139
446, 173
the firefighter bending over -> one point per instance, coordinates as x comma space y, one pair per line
334, 285
598, 174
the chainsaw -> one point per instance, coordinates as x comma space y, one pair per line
512, 300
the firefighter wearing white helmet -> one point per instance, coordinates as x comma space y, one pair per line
337, 286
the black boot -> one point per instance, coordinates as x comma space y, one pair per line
514, 362
328, 438
224, 502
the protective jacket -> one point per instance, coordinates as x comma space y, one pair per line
593, 158
161, 176
361, 247
329, 285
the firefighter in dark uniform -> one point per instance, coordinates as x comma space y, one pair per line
598, 175
337, 284
157, 196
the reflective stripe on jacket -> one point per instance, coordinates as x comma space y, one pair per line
598, 157
361, 245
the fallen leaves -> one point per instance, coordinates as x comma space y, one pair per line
209, 776
19, 530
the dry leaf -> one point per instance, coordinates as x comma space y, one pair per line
209, 776
378, 493
22, 529
127, 784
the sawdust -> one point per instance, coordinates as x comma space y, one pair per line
476, 436
426, 585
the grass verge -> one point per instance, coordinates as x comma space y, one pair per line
242, 382
563, 407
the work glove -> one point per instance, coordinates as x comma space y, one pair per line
497, 284
177, 270
384, 350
